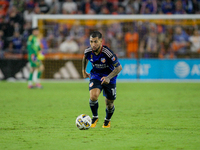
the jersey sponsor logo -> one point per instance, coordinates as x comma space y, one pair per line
103, 60
113, 58
91, 84
100, 66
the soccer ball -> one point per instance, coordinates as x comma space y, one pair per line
83, 122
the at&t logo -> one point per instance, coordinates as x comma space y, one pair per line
182, 69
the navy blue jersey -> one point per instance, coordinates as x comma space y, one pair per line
103, 63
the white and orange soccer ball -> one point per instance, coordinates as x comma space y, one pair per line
83, 122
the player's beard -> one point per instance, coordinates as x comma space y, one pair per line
96, 50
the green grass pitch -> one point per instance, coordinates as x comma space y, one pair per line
148, 116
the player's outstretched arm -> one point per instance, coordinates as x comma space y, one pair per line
84, 65
116, 71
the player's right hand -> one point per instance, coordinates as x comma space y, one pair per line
85, 74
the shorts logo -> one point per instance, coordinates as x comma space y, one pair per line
113, 58
103, 60
91, 84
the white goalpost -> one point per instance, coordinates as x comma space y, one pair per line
149, 31
112, 17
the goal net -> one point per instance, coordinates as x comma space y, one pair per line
64, 38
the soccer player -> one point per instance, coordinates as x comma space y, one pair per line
34, 57
102, 76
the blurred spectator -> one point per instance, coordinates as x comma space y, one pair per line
133, 7
195, 41
196, 6
19, 4
30, 4
60, 38
62, 29
54, 7
28, 15
17, 17
18, 27
120, 10
115, 27
91, 12
152, 42
180, 42
26, 32
44, 8
165, 50
77, 30
132, 40
8, 28
191, 6
142, 28
1, 45
167, 7
86, 5
69, 46
1, 40
179, 9
16, 43
111, 32
114, 7
37, 10
50, 2
3, 7
117, 45
69, 7
149, 7
97, 6
129, 10
106, 7
51, 43
44, 46
14, 16
6, 31
2, 11
83, 44
149, 45
104, 10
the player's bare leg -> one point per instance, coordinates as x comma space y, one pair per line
110, 108
94, 94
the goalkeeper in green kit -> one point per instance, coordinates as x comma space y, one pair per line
34, 57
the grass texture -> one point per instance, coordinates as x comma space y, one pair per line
148, 116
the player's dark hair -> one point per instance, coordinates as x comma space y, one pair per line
35, 28
96, 34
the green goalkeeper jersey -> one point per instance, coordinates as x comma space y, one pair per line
33, 46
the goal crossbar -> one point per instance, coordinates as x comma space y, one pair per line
113, 17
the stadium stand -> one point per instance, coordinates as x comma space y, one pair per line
16, 20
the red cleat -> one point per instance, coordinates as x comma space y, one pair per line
39, 86
31, 87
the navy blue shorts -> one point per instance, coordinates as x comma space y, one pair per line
109, 90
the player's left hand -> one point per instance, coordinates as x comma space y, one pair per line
105, 80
